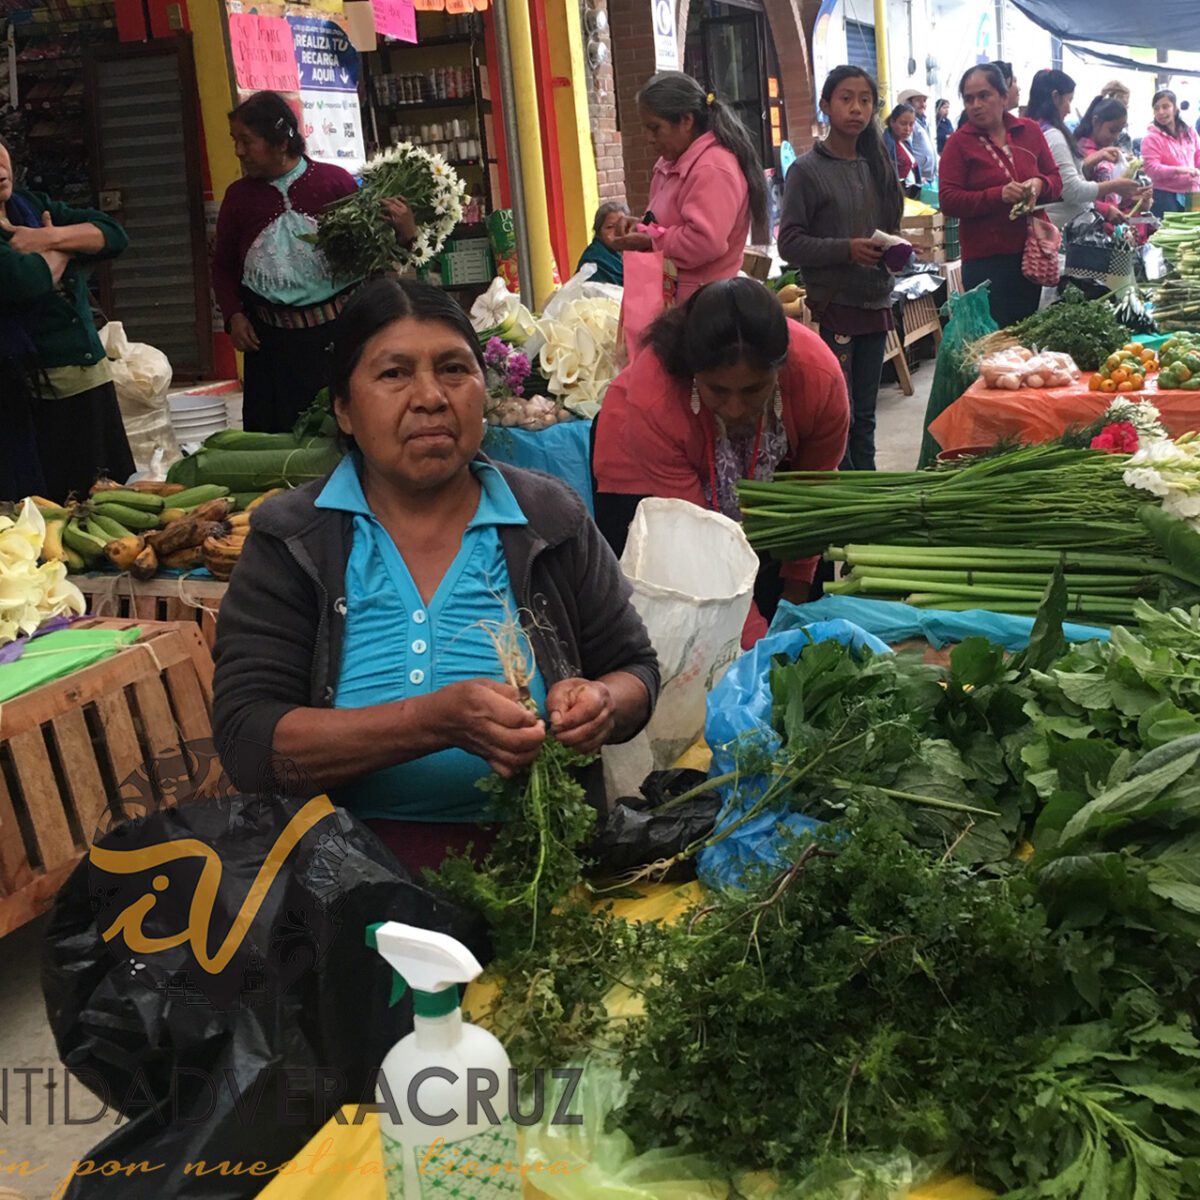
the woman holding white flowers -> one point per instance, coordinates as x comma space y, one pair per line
275, 289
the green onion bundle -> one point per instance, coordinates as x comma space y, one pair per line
1032, 498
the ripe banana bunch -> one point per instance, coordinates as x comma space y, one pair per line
122, 526
222, 550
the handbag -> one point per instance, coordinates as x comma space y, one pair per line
1039, 260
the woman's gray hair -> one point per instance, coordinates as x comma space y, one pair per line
605, 211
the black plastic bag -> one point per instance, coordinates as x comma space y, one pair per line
209, 1072
632, 836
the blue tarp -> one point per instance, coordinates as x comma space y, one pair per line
562, 451
896, 622
739, 723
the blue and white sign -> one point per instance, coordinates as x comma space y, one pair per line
328, 68
327, 61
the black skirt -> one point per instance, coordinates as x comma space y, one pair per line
80, 438
20, 463
284, 375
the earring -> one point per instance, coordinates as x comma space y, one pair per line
778, 403
695, 400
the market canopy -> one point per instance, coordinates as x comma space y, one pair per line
1165, 25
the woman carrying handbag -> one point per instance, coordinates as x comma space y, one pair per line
996, 171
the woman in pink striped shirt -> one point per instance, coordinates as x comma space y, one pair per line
708, 189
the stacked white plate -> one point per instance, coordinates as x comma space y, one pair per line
197, 415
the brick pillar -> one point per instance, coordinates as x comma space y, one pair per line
602, 108
633, 64
791, 23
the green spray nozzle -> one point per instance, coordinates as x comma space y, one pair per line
398, 985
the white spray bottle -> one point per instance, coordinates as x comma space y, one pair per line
443, 1145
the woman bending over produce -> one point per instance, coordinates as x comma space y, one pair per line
996, 161
357, 633
837, 195
1171, 152
1050, 98
729, 389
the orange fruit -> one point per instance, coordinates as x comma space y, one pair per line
1136, 347
1094, 383
1125, 386
1120, 375
1107, 385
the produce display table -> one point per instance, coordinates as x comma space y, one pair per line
191, 599
983, 416
563, 450
342, 1161
66, 747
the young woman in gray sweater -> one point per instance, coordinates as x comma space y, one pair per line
835, 197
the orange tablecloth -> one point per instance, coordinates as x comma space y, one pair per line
982, 416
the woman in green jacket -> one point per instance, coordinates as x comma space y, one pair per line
52, 365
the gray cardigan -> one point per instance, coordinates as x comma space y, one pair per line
827, 201
279, 638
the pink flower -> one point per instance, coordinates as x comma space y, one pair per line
1118, 438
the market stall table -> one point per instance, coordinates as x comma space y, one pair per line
984, 416
190, 598
67, 744
342, 1161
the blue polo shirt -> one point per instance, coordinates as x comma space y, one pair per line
397, 646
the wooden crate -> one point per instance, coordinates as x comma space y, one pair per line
928, 234
66, 747
168, 598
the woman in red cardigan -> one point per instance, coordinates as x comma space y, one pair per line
276, 291
729, 389
992, 162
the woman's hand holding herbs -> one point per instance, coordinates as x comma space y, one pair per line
582, 714
487, 718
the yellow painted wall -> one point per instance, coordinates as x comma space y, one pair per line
576, 154
216, 90
529, 135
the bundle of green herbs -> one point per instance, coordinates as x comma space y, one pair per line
1087, 330
916, 978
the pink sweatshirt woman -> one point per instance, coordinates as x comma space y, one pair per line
1167, 158
701, 208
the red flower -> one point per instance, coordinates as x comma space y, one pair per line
1118, 438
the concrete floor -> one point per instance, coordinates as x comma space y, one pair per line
51, 1147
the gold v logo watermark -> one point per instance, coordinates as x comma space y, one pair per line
197, 935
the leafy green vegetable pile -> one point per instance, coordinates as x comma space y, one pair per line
1086, 330
910, 982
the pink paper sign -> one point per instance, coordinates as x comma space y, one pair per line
396, 19
264, 54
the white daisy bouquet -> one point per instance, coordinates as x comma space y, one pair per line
356, 237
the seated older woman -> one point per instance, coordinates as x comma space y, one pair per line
352, 639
